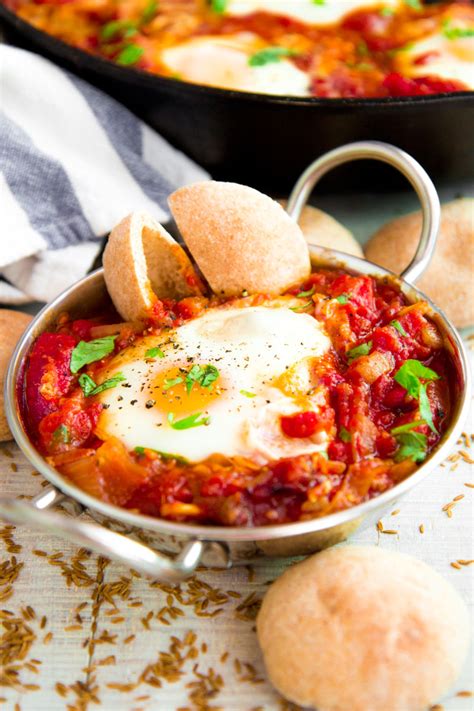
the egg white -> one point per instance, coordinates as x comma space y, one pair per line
224, 62
451, 59
252, 348
326, 13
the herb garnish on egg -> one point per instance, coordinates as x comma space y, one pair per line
154, 353
187, 422
89, 387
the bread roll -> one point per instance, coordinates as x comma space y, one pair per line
358, 628
12, 325
323, 230
142, 262
449, 280
241, 239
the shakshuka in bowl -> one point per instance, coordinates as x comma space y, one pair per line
243, 388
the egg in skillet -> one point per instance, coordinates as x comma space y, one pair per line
219, 383
324, 12
447, 54
232, 62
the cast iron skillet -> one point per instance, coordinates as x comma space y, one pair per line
266, 141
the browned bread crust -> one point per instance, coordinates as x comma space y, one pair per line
323, 230
241, 239
360, 628
12, 325
449, 280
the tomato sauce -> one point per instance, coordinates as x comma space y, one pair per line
390, 382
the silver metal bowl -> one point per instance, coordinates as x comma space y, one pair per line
171, 551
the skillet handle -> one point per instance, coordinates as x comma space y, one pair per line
397, 158
101, 540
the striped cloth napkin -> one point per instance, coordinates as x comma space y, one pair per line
73, 163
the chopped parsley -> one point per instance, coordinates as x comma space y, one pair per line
310, 292
409, 374
149, 12
454, 33
425, 408
89, 387
124, 29
403, 48
343, 298
203, 376
129, 55
247, 393
363, 349
345, 435
269, 55
154, 353
362, 49
61, 434
118, 29
219, 6
87, 384
396, 324
192, 421
164, 455
303, 307
412, 445
409, 377
90, 351
171, 382
319, 2
414, 4
407, 428
387, 11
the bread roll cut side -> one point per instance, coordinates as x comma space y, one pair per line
12, 325
240, 239
142, 262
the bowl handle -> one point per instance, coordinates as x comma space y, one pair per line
397, 158
102, 540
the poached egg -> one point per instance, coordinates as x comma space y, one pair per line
326, 12
442, 54
264, 360
226, 62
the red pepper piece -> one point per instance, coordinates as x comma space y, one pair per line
303, 424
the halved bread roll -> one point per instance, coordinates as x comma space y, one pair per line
12, 325
241, 239
142, 262
323, 230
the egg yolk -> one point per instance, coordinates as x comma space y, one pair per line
173, 391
